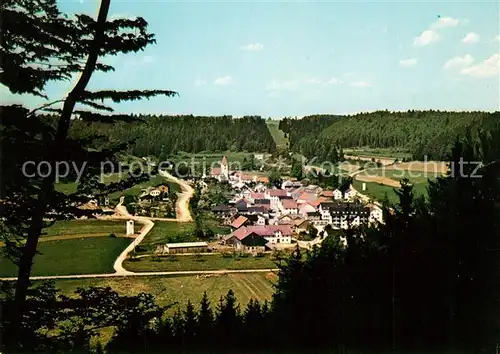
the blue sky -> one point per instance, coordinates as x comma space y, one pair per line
297, 58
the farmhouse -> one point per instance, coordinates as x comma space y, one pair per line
272, 233
186, 247
247, 242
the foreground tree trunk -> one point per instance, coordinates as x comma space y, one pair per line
40, 210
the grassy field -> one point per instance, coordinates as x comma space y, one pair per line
198, 262
136, 189
74, 256
90, 226
180, 289
208, 220
378, 191
167, 231
277, 134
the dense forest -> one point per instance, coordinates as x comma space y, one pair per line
165, 135
430, 133
296, 129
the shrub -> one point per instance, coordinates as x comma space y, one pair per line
112, 235
243, 255
259, 254
227, 255
141, 248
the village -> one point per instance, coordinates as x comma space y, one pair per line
263, 217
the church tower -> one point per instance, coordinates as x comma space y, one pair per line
224, 168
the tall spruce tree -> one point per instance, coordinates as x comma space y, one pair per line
39, 44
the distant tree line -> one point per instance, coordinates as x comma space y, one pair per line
422, 133
161, 135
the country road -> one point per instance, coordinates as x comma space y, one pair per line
182, 272
182, 215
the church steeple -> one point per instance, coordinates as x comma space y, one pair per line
224, 167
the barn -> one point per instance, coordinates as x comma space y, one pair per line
186, 247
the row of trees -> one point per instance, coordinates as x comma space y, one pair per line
166, 135
423, 133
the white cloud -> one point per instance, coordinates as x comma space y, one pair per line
458, 62
223, 81
200, 82
253, 47
408, 62
360, 84
488, 68
334, 81
425, 38
274, 85
314, 81
445, 22
471, 38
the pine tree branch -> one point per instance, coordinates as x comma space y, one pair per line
119, 96
44, 106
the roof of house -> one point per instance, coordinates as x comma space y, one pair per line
314, 213
327, 194
306, 205
215, 171
261, 201
257, 195
277, 192
239, 222
307, 196
187, 244
221, 208
289, 204
262, 230
344, 206
257, 209
263, 179
246, 177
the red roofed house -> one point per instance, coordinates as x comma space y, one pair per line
273, 195
306, 208
254, 196
306, 197
289, 206
239, 222
271, 233
248, 242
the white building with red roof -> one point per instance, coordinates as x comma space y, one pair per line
271, 233
274, 196
288, 207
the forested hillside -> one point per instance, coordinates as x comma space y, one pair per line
430, 133
296, 129
163, 135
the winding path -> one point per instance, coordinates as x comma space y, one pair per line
182, 215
